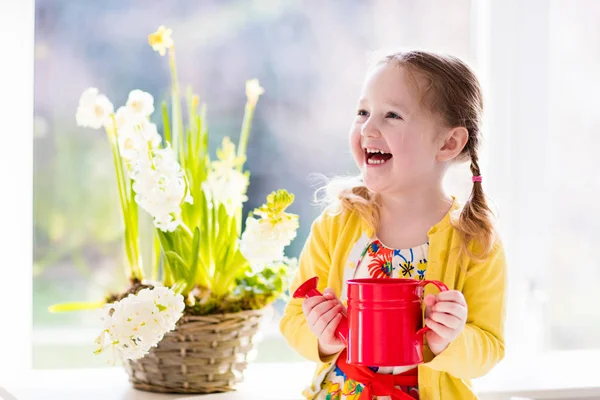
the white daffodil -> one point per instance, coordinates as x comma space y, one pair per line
149, 133
253, 91
140, 103
94, 109
130, 143
123, 117
137, 323
137, 136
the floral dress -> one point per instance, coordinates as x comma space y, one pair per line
377, 261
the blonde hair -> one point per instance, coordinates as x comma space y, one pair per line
455, 95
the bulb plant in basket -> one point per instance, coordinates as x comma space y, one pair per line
187, 321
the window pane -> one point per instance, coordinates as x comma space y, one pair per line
572, 314
311, 64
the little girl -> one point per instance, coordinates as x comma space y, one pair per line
418, 114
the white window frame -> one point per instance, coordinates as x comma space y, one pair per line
496, 45
16, 163
511, 38
510, 45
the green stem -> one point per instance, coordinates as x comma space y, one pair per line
176, 106
192, 112
128, 209
241, 152
138, 271
245, 133
122, 196
155, 255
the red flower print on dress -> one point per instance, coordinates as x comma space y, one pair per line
381, 263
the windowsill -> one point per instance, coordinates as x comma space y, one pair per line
556, 375
553, 375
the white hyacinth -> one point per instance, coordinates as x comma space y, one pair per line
135, 324
140, 104
265, 238
94, 109
160, 187
225, 184
227, 188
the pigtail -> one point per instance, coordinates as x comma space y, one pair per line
475, 222
343, 194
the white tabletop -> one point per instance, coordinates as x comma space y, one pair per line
261, 382
569, 375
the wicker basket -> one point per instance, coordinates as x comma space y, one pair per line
205, 354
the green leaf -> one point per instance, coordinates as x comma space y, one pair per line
180, 287
165, 240
221, 241
75, 306
191, 158
167, 245
198, 139
166, 123
155, 255
125, 203
231, 238
230, 273
178, 265
196, 272
189, 96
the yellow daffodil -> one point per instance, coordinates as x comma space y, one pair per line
161, 40
227, 158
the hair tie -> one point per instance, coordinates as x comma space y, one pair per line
476, 178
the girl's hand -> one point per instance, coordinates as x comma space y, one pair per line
323, 315
446, 315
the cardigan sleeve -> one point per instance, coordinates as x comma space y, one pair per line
315, 260
480, 346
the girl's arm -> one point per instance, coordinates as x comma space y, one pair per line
480, 346
315, 260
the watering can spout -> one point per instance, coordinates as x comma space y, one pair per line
309, 289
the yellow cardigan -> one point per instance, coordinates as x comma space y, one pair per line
476, 350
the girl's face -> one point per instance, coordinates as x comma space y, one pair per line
395, 142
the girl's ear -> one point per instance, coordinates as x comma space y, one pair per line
454, 141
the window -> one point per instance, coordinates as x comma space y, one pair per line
311, 65
541, 161
571, 315
538, 61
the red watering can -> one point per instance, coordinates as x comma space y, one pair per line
383, 322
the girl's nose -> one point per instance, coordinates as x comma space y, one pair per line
370, 129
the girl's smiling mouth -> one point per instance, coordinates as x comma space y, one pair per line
374, 156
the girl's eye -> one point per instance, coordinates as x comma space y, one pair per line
362, 113
393, 115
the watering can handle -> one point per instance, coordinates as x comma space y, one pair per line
309, 289
440, 285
